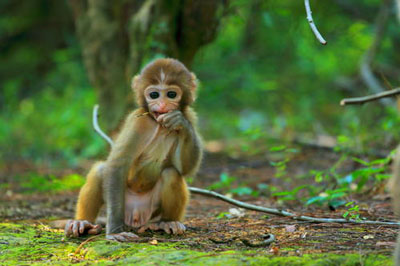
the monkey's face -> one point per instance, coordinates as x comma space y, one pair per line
162, 98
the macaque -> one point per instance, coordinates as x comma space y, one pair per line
142, 181
395, 189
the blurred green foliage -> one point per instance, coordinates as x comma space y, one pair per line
264, 74
50, 183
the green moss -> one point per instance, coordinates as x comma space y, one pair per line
26, 244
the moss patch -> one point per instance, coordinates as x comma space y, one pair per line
30, 244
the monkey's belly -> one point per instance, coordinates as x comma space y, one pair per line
141, 208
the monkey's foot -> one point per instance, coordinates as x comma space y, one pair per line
122, 237
77, 228
176, 228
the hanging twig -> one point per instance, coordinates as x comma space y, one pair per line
312, 24
97, 128
253, 207
369, 98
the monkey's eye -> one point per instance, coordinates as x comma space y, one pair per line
154, 95
171, 94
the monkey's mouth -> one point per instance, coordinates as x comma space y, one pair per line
157, 114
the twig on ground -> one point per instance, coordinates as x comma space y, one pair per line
312, 24
266, 242
216, 241
85, 242
369, 98
257, 208
253, 207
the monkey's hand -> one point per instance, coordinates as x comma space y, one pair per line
77, 228
174, 121
176, 228
122, 237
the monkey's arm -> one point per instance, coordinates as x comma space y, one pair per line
188, 151
127, 147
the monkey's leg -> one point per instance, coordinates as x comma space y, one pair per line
397, 252
89, 203
174, 196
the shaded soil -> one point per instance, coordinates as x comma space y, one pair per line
207, 232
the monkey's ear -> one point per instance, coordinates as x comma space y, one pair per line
135, 82
194, 85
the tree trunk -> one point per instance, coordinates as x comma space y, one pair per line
118, 37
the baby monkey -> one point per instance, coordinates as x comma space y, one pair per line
142, 181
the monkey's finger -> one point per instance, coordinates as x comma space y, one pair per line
181, 228
166, 227
143, 228
165, 117
154, 226
174, 120
75, 229
68, 228
174, 228
122, 237
177, 125
160, 118
81, 227
96, 229
84, 225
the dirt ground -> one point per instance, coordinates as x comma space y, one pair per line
208, 232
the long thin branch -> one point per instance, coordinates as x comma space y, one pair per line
312, 24
369, 98
253, 207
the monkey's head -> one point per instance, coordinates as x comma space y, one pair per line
164, 85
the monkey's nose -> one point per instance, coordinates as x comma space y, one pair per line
162, 108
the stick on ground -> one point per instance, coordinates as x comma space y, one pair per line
257, 208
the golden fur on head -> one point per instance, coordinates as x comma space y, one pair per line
166, 71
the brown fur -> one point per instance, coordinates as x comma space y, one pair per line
147, 159
176, 74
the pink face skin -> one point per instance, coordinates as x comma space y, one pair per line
162, 99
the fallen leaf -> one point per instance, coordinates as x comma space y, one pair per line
383, 243
235, 212
274, 250
153, 242
290, 228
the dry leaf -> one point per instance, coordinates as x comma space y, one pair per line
368, 237
153, 242
290, 228
274, 250
235, 212
383, 243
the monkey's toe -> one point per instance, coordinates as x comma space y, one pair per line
173, 227
122, 237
